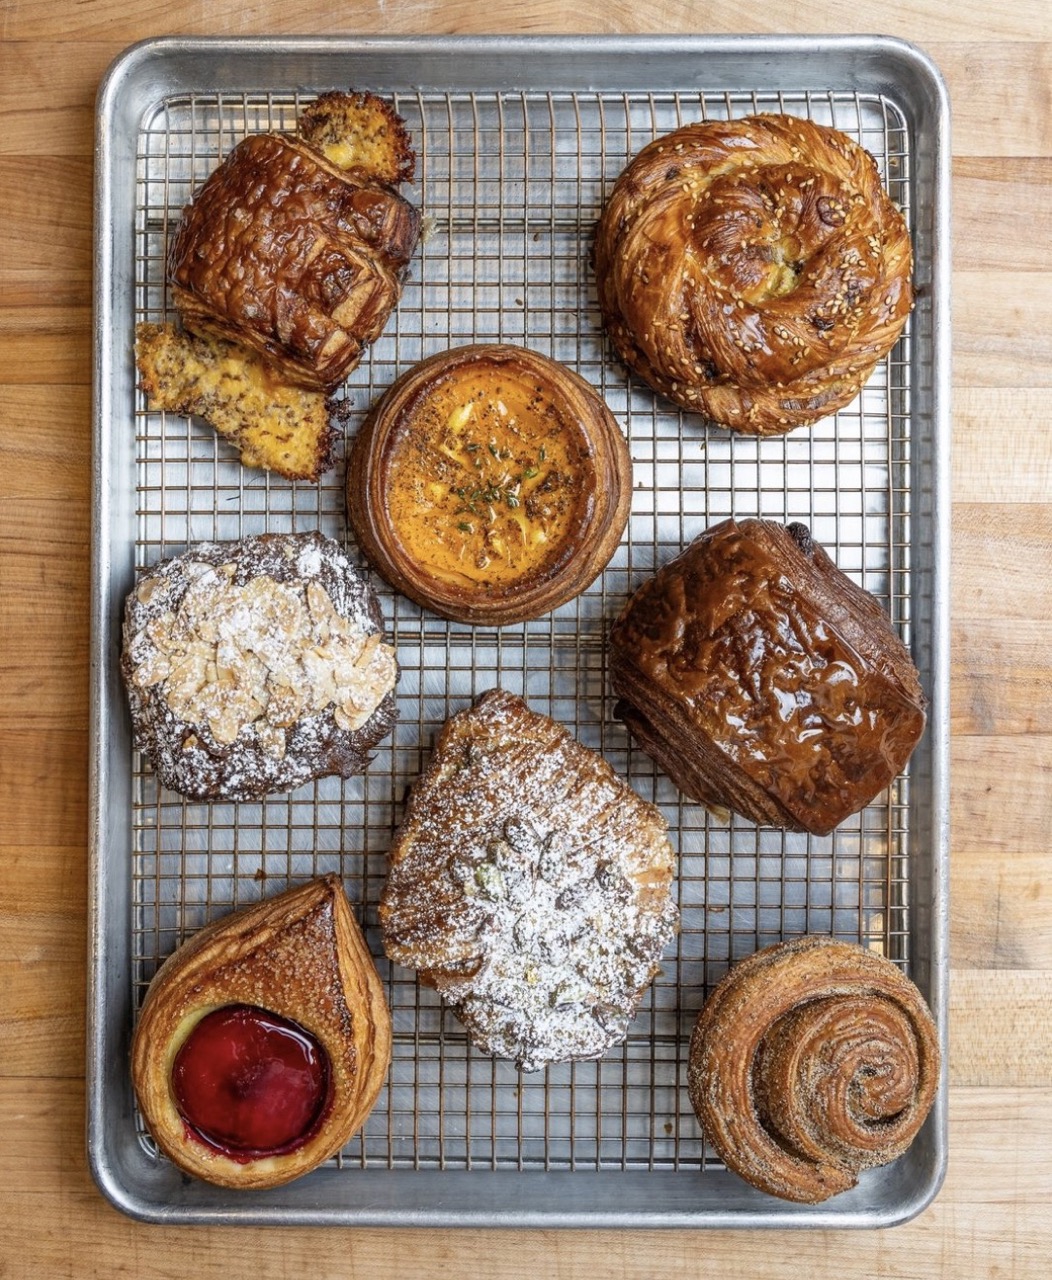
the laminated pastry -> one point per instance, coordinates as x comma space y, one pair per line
811, 1061
285, 265
763, 680
489, 484
254, 666
297, 244
753, 270
529, 886
263, 1041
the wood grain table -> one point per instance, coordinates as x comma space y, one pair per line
994, 1216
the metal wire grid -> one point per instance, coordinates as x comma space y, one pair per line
512, 185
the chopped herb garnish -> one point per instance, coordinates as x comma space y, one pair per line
494, 450
542, 454
464, 527
530, 472
512, 500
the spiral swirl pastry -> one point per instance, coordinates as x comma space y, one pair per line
811, 1061
753, 270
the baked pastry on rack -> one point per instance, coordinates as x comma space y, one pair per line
811, 1061
272, 424
263, 1041
529, 886
254, 666
753, 270
294, 250
763, 680
490, 484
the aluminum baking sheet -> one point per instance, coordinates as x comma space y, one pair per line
519, 142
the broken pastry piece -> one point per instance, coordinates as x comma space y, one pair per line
255, 666
530, 886
263, 1041
273, 425
294, 252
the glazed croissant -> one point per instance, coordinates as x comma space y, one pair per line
296, 246
753, 270
812, 1060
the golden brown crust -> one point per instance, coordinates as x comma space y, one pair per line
274, 426
812, 1060
532, 523
753, 270
294, 256
302, 956
763, 679
360, 131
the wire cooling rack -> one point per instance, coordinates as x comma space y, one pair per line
512, 185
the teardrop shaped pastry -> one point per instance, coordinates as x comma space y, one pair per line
489, 484
811, 1061
293, 968
753, 270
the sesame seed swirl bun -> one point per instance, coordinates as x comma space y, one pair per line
753, 270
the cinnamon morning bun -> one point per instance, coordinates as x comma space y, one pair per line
490, 484
263, 1041
753, 270
811, 1061
763, 680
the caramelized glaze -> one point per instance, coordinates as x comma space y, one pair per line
287, 254
763, 679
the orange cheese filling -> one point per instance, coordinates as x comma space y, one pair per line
484, 479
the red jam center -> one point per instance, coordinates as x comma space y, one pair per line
251, 1083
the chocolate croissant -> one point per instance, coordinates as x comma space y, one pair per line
296, 246
753, 270
811, 1061
763, 680
264, 1040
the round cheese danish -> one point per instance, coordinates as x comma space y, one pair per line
490, 484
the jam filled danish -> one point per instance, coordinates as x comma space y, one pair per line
263, 1041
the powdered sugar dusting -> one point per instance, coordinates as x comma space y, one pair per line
530, 885
253, 666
